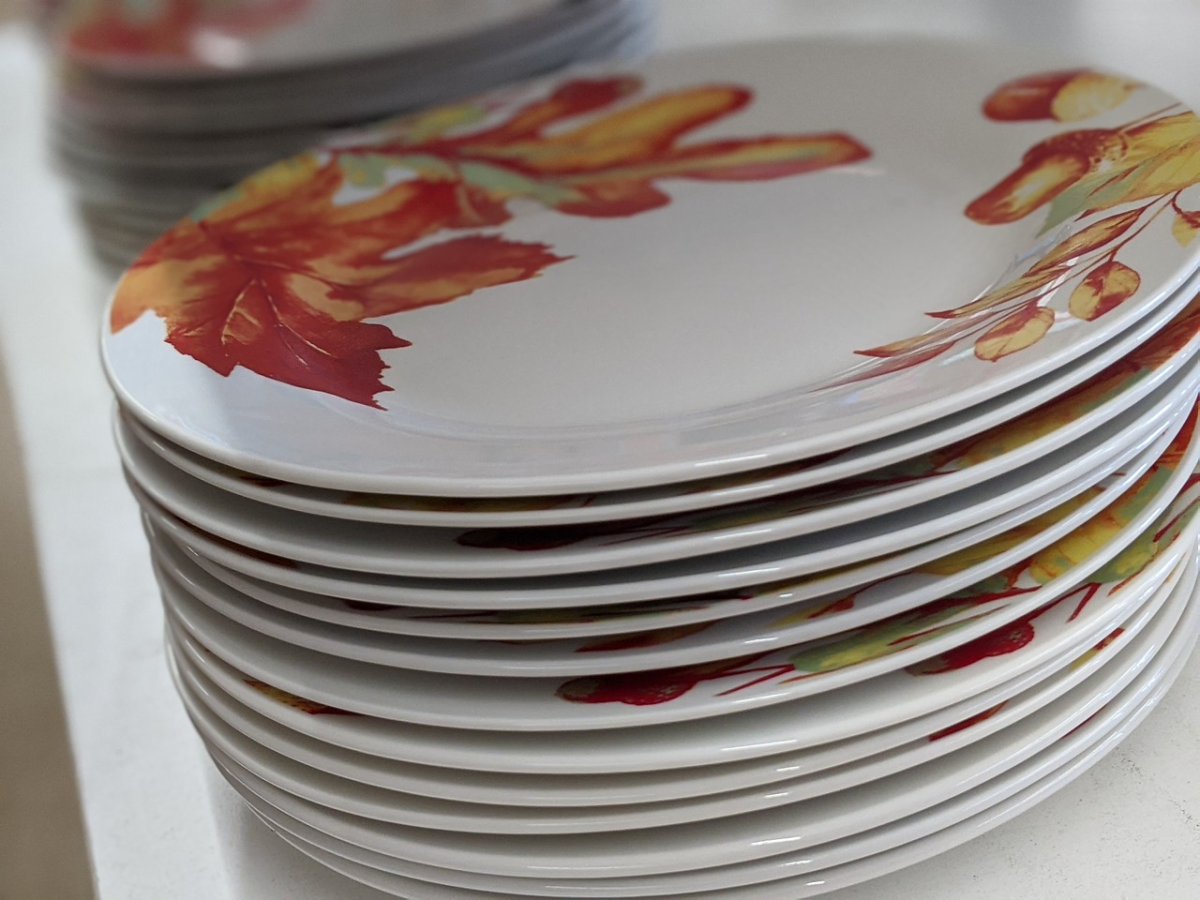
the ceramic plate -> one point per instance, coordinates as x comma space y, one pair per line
860, 716
896, 605
856, 605
370, 367
731, 840
726, 576
380, 805
1048, 595
833, 865
1136, 361
368, 89
233, 39
823, 533
472, 814
1127, 647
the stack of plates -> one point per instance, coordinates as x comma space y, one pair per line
673, 482
163, 103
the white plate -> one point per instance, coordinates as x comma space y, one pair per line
1126, 647
871, 854
706, 845
471, 814
859, 716
1143, 355
744, 636
570, 382
938, 637
505, 553
855, 604
725, 577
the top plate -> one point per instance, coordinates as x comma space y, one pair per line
687, 271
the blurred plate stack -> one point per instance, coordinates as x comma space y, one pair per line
669, 482
161, 104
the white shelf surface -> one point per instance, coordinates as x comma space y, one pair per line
160, 822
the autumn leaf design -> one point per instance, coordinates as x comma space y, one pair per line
1038, 423
645, 688
1065, 96
606, 167
1102, 186
642, 640
968, 722
1015, 332
1066, 554
860, 645
163, 28
278, 278
280, 275
945, 615
1009, 639
1185, 225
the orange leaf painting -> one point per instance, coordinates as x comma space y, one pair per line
1102, 169
1082, 176
1103, 289
280, 275
1033, 281
1016, 332
1185, 226
1089, 239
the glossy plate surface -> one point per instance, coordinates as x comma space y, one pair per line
1143, 355
1020, 720
834, 865
1052, 595
702, 846
722, 575
431, 308
859, 715
1126, 649
816, 523
870, 622
812, 612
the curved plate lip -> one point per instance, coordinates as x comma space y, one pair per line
753, 635
534, 704
420, 457
777, 600
675, 499
957, 503
669, 580
608, 854
907, 841
1136, 640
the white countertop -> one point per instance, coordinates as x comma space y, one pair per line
162, 825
